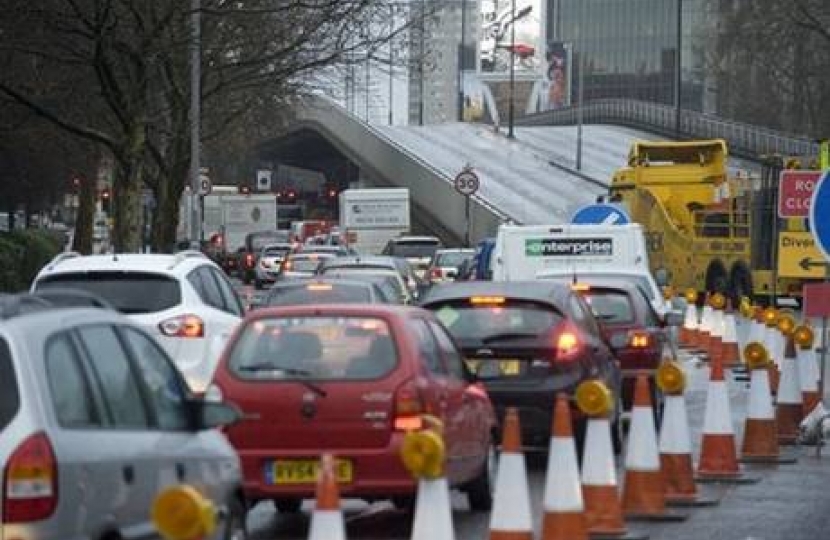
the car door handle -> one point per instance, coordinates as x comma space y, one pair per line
181, 472
128, 473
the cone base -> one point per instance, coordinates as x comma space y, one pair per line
760, 439
621, 536
564, 526
734, 479
718, 456
511, 535
667, 516
788, 418
678, 476
643, 494
603, 512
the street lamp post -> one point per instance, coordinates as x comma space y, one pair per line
195, 127
510, 134
678, 78
421, 64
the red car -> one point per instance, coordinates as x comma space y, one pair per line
350, 379
636, 332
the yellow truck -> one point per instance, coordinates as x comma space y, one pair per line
705, 229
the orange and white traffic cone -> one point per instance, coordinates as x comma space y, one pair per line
718, 455
327, 520
689, 328
563, 506
788, 406
675, 442
603, 511
704, 330
770, 343
511, 516
808, 371
760, 444
643, 490
715, 348
731, 352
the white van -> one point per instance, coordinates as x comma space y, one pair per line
527, 252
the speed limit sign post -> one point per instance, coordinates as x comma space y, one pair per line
467, 183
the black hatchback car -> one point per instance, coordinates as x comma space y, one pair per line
527, 341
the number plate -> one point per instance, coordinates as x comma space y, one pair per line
303, 471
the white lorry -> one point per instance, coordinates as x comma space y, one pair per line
369, 218
244, 214
528, 252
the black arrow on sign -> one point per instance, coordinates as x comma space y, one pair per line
806, 263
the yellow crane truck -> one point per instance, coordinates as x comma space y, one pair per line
705, 229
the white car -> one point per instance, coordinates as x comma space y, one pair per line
269, 263
184, 300
418, 250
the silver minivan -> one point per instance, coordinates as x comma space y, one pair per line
95, 421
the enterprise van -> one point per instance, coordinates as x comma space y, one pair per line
526, 252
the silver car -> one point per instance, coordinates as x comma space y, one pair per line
95, 421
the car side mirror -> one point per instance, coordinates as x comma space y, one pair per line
213, 415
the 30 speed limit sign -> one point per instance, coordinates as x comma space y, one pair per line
466, 182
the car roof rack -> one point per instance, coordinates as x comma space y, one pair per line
184, 255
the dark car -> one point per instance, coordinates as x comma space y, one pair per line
527, 341
407, 274
629, 322
324, 291
249, 255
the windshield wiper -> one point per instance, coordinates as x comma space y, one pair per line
507, 336
302, 375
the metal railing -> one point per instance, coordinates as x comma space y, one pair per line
745, 140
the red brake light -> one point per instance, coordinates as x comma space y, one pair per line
184, 326
249, 259
567, 343
30, 486
408, 408
436, 273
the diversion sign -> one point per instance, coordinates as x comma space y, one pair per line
569, 247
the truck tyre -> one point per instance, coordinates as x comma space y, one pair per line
716, 278
740, 283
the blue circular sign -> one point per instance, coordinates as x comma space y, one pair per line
601, 214
820, 214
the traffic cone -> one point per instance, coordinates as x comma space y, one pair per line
757, 327
788, 406
689, 328
564, 508
718, 455
675, 443
511, 516
760, 444
731, 352
808, 371
603, 511
644, 491
433, 511
716, 335
704, 330
327, 520
771, 345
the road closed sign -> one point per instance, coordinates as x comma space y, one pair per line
799, 256
795, 190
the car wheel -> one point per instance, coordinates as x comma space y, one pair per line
480, 489
235, 527
288, 506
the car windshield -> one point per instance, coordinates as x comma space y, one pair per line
610, 306
414, 248
9, 396
128, 292
641, 281
496, 322
320, 348
318, 293
452, 258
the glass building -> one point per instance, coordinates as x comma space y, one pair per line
630, 48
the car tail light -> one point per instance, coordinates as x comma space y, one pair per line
568, 343
408, 408
639, 340
184, 326
435, 273
30, 486
249, 260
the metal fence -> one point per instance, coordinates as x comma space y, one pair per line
744, 140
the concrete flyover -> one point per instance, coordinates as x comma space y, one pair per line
438, 208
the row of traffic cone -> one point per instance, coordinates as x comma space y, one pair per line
715, 332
